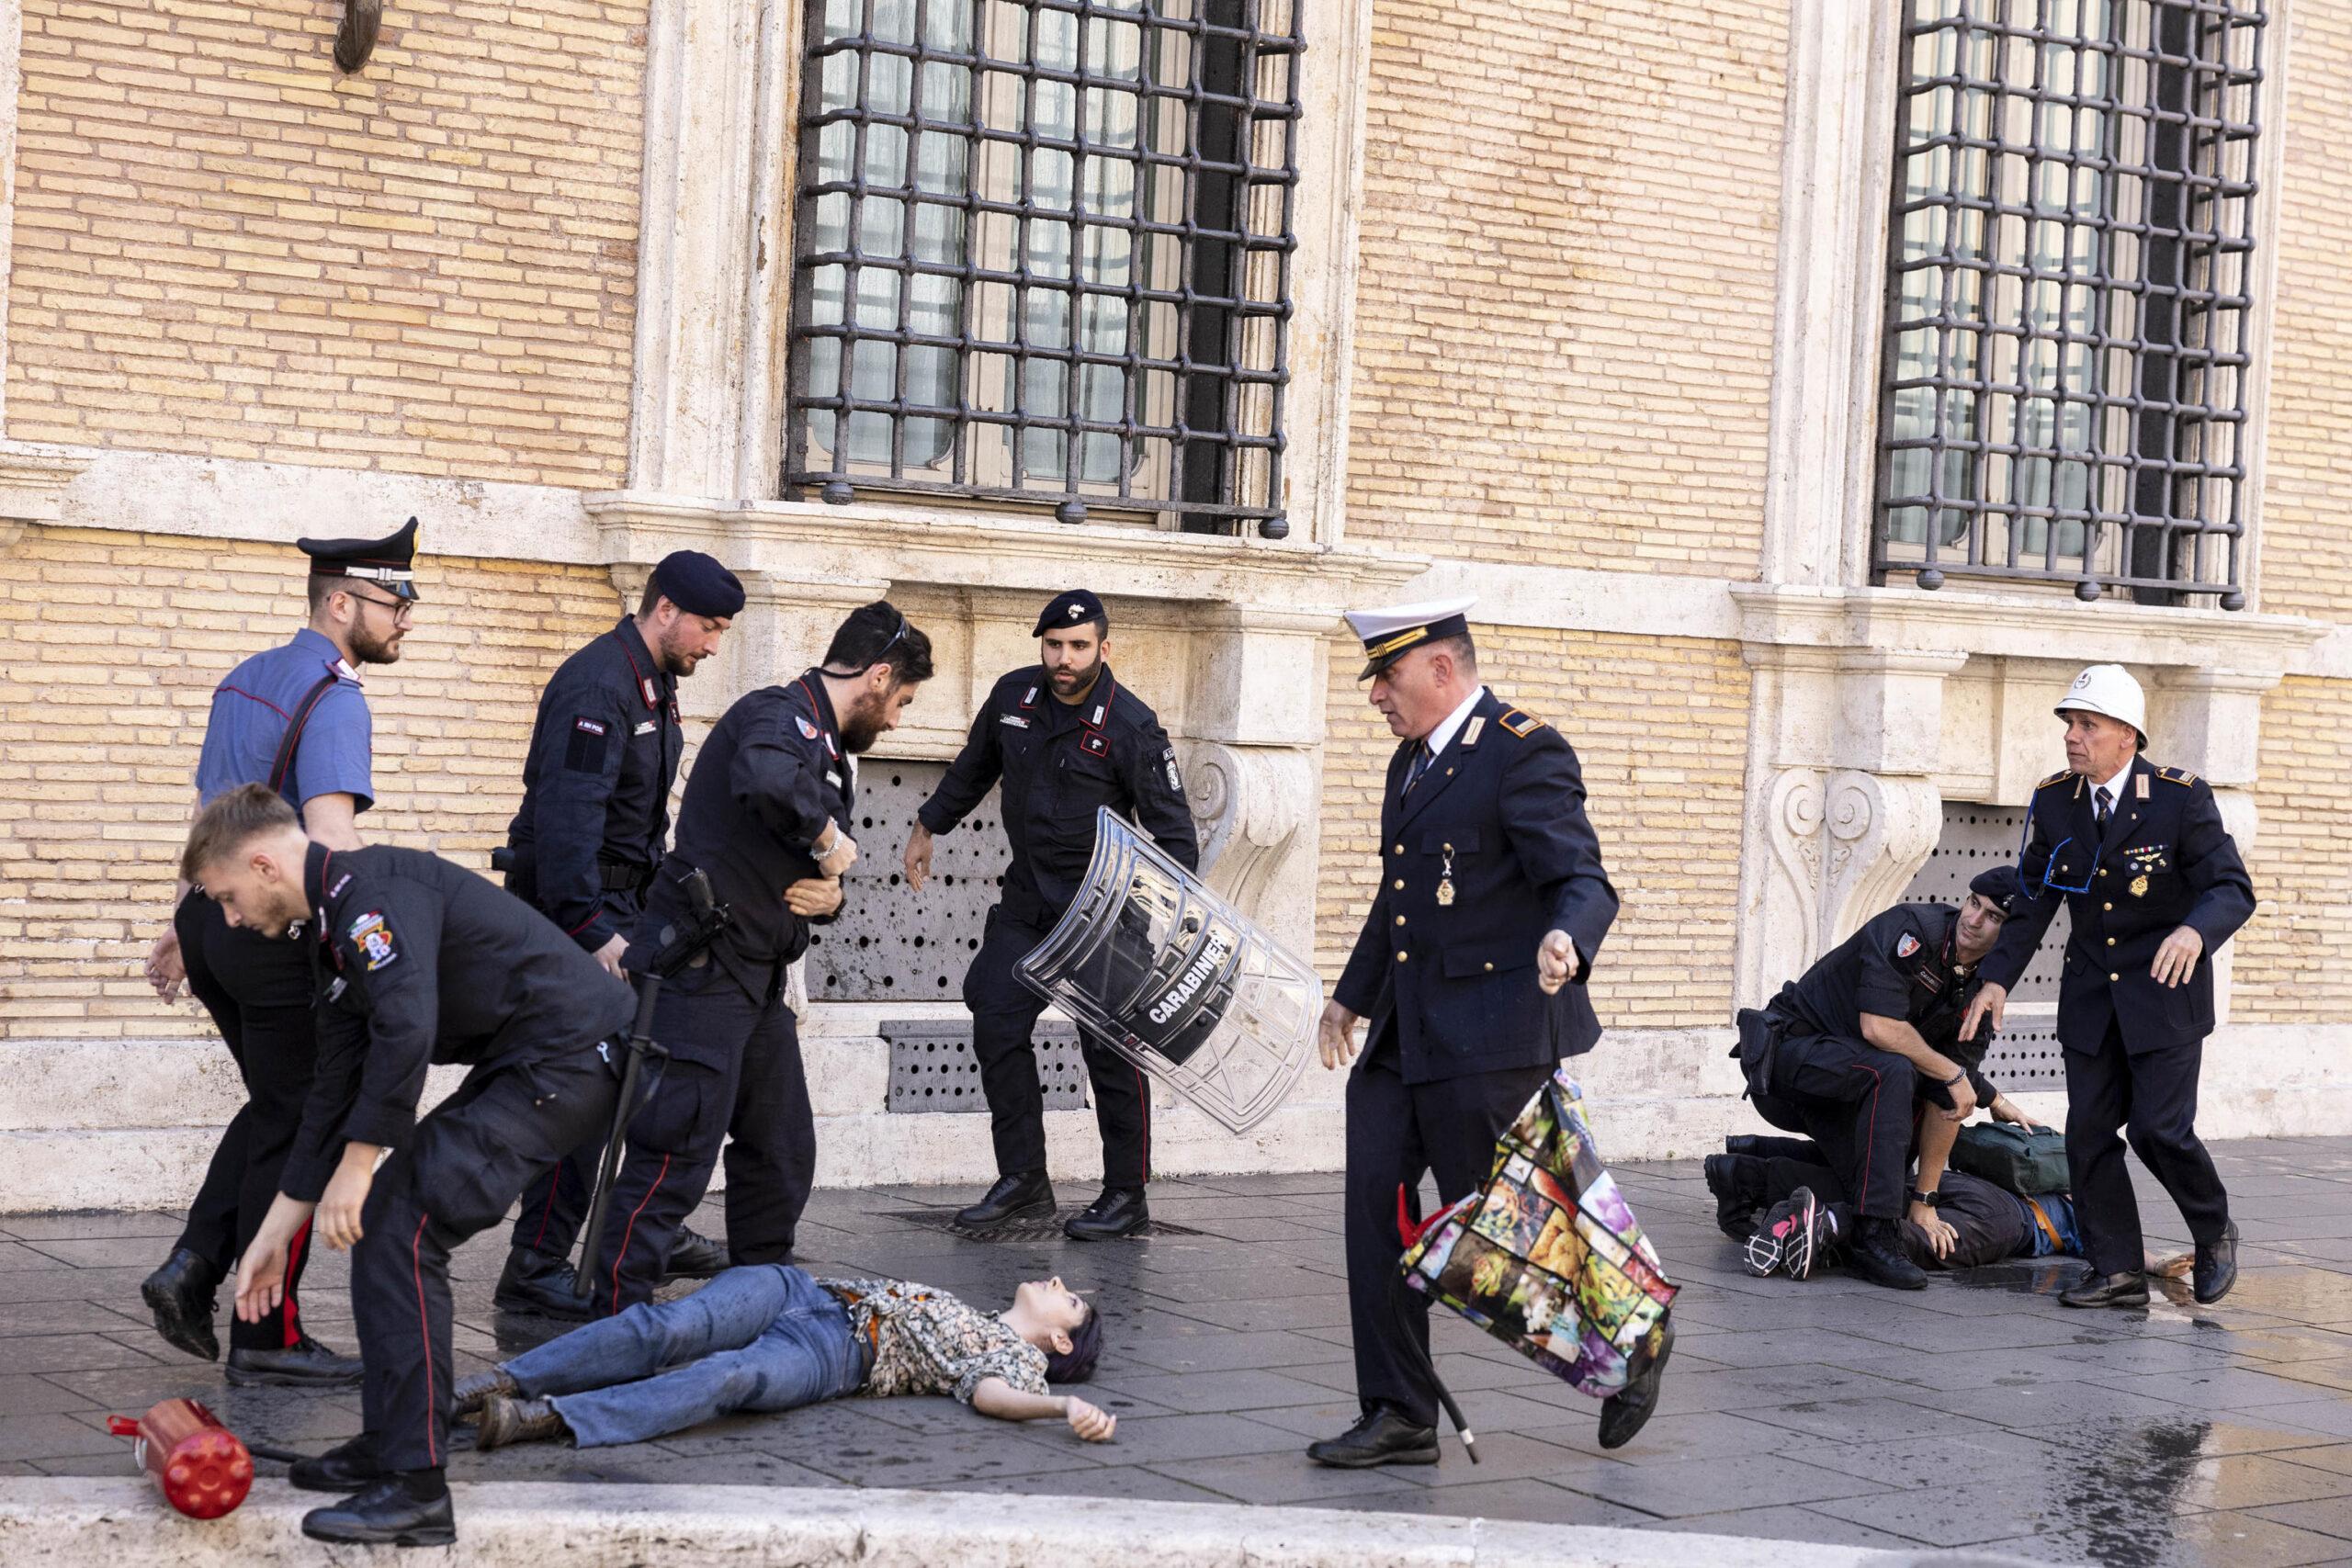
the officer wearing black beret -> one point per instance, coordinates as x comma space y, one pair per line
584, 847
2153, 886
1066, 738
1490, 908
1847, 1050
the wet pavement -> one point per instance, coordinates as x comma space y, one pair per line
1975, 1414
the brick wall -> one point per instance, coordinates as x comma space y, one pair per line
2294, 959
2306, 550
1669, 712
110, 645
1565, 320
224, 247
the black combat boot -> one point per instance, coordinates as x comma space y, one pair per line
1119, 1211
182, 1294
532, 1281
1876, 1254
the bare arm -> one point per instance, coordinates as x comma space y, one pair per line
996, 1397
1893, 1035
332, 819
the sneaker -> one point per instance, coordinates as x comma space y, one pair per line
1789, 1228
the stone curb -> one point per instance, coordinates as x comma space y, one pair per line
126, 1524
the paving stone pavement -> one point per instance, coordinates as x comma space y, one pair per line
1975, 1414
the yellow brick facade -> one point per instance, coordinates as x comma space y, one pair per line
1564, 329
1660, 728
224, 247
2294, 959
112, 643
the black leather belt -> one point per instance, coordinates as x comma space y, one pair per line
623, 877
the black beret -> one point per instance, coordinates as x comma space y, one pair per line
1071, 609
2002, 888
389, 561
698, 585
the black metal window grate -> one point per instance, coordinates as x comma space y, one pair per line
1045, 254
2069, 295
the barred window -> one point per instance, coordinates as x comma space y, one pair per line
2068, 295
1045, 254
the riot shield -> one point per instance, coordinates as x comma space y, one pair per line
1178, 981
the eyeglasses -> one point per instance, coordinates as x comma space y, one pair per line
403, 611
2050, 867
896, 638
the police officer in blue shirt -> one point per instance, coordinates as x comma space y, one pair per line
767, 817
594, 826
1491, 906
1065, 738
295, 718
2152, 886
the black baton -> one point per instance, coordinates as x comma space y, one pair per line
706, 918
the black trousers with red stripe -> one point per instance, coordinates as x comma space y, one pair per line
734, 1070
258, 992
1004, 1015
466, 1163
1857, 1103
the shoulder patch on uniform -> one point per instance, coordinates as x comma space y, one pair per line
1519, 723
340, 883
591, 726
1905, 946
2176, 775
373, 937
808, 730
1175, 777
2061, 776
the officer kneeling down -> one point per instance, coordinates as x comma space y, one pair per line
1845, 1051
418, 961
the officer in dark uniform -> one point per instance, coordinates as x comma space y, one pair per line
417, 961
1066, 738
766, 816
593, 825
1491, 906
2153, 886
294, 719
1847, 1050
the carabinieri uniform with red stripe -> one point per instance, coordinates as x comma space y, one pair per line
769, 776
418, 961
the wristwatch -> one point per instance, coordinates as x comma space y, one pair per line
1932, 1199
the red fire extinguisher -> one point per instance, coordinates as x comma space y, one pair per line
204, 1471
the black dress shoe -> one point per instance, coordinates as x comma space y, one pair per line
305, 1364
506, 1420
2216, 1266
2128, 1289
396, 1511
475, 1388
1380, 1436
532, 1281
1628, 1410
345, 1468
1011, 1198
1876, 1255
693, 1257
1119, 1211
182, 1295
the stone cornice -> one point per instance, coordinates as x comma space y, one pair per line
996, 550
2066, 630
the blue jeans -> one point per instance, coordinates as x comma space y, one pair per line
760, 1337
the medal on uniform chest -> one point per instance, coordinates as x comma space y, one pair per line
2139, 887
1446, 879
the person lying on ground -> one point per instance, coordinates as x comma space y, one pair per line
1802, 1221
770, 1337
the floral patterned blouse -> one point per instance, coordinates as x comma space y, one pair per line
925, 1342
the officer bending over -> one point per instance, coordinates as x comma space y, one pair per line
417, 961
1843, 1053
1066, 738
594, 826
766, 816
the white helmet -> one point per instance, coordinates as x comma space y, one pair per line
2108, 689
